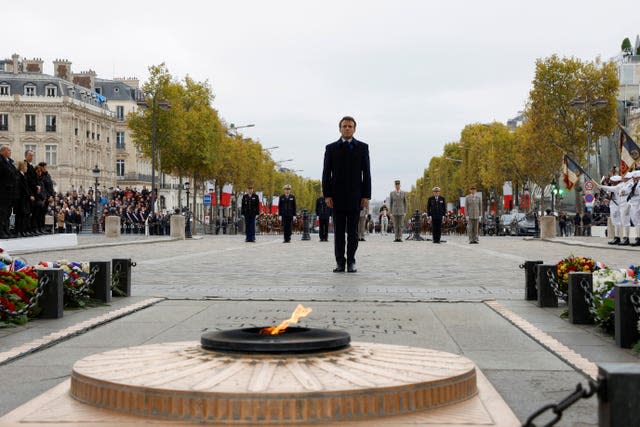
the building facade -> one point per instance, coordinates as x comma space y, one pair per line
73, 122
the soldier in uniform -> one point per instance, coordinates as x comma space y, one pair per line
634, 204
614, 206
398, 206
250, 209
287, 210
436, 209
324, 213
473, 212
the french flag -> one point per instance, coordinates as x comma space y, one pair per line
275, 202
225, 197
507, 192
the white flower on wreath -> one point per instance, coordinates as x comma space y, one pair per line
605, 278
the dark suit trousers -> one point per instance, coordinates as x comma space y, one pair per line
436, 227
346, 222
250, 227
324, 229
286, 226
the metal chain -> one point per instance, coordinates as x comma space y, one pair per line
635, 302
115, 277
560, 407
33, 301
588, 292
554, 285
82, 291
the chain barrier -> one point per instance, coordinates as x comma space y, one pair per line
83, 290
588, 292
558, 408
635, 302
555, 287
33, 301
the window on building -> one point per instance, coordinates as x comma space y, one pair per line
120, 140
31, 147
51, 91
98, 90
98, 136
4, 122
51, 155
30, 123
76, 131
120, 113
93, 135
120, 168
30, 90
5, 90
51, 123
88, 132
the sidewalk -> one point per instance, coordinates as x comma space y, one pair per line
412, 293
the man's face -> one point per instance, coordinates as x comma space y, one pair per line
347, 129
397, 186
250, 190
473, 191
29, 156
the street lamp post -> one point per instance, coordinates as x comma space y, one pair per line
154, 140
234, 129
187, 214
96, 175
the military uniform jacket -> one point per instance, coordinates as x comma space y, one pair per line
436, 208
287, 205
250, 205
398, 202
322, 210
473, 206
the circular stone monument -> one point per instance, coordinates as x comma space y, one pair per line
186, 382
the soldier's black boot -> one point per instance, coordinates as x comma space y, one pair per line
624, 242
615, 241
636, 242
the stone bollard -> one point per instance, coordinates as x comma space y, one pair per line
121, 276
530, 291
177, 227
627, 303
52, 300
546, 297
101, 286
547, 227
579, 308
618, 382
112, 226
305, 225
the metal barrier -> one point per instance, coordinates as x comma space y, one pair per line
530, 290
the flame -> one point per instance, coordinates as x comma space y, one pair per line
299, 312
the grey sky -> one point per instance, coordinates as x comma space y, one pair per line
412, 73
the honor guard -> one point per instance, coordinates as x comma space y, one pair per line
634, 205
614, 206
250, 209
287, 210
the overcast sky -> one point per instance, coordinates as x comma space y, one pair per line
412, 73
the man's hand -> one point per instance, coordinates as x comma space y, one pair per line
329, 201
363, 203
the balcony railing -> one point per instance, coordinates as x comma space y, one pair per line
4, 127
30, 128
51, 128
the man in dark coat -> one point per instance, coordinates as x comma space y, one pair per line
287, 210
436, 209
346, 186
250, 209
323, 212
8, 189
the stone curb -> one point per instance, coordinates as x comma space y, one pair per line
77, 329
563, 352
95, 245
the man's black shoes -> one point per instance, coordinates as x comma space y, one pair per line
339, 268
351, 268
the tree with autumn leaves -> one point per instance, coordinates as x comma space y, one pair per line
570, 104
194, 143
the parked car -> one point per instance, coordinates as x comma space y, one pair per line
517, 224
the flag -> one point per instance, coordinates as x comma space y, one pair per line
629, 152
507, 192
260, 202
225, 197
571, 172
214, 198
463, 202
275, 201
